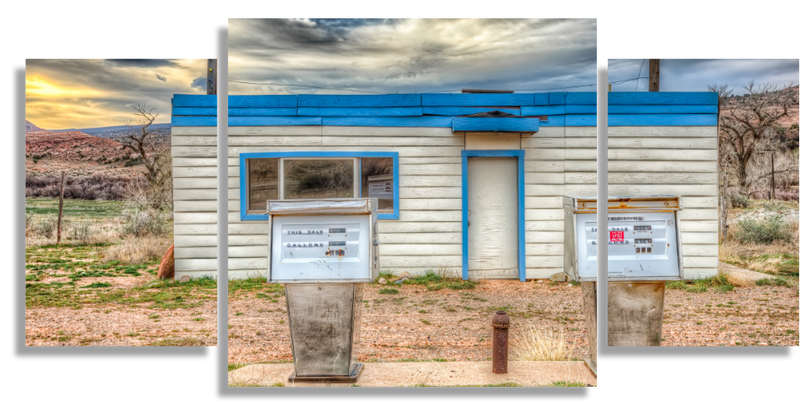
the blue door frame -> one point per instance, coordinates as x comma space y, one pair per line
465, 155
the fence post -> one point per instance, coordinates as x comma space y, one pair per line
60, 209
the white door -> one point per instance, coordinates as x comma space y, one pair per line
493, 234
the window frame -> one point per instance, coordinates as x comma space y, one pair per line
243, 182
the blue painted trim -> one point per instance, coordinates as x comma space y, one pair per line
581, 109
257, 155
431, 121
495, 124
634, 98
558, 98
262, 101
272, 121
552, 121
396, 189
361, 112
543, 110
196, 111
465, 155
663, 109
541, 98
662, 120
193, 121
261, 112
464, 217
456, 111
194, 100
384, 100
588, 98
487, 100
242, 186
580, 120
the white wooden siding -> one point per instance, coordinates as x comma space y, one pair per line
428, 233
677, 161
194, 172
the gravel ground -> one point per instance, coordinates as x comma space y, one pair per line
122, 324
393, 328
752, 316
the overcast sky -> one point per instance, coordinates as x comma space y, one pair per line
86, 93
408, 56
698, 74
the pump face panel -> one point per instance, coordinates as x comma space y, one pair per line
320, 248
641, 245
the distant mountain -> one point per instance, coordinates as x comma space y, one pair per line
115, 131
31, 127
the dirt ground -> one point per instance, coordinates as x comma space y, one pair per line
121, 325
748, 316
416, 324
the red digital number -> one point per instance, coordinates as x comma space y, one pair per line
616, 236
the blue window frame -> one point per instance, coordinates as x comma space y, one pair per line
465, 155
243, 185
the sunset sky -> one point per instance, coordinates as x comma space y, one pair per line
407, 56
88, 93
698, 74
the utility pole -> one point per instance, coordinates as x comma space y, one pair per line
772, 195
60, 209
655, 65
211, 86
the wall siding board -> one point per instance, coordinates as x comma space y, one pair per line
261, 112
662, 132
285, 101
456, 111
384, 100
361, 112
662, 98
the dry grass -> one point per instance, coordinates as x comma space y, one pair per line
768, 259
138, 250
740, 279
540, 345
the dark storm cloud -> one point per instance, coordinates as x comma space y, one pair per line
698, 74
387, 56
144, 63
199, 83
162, 78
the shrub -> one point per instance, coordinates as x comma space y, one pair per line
28, 223
98, 186
44, 226
80, 231
138, 250
149, 222
773, 281
133, 162
739, 200
540, 345
763, 231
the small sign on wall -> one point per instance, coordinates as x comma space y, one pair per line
380, 186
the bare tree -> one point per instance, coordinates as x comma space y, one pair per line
750, 124
152, 146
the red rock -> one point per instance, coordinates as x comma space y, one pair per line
167, 268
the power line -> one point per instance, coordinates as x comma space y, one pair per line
301, 85
361, 91
639, 75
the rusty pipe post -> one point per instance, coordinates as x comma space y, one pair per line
500, 323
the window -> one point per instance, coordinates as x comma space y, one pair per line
296, 175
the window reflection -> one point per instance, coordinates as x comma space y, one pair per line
324, 178
262, 175
377, 181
